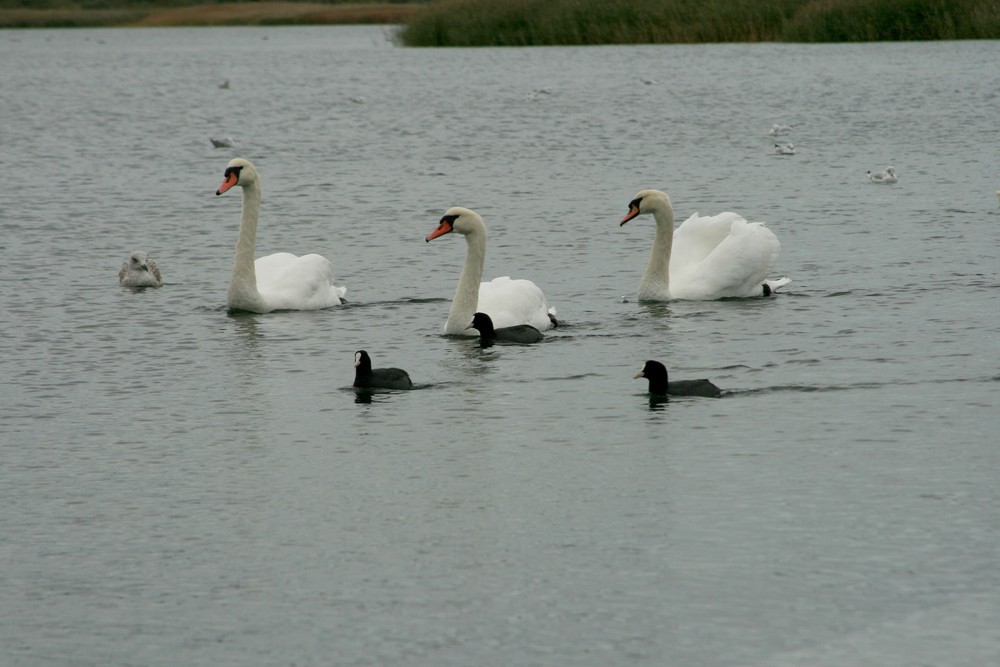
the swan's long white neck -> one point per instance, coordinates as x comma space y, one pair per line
243, 292
655, 283
463, 305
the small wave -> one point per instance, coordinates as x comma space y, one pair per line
805, 388
578, 376
388, 302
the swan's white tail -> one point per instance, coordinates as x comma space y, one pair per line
770, 286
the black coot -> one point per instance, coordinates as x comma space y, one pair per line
656, 373
519, 333
380, 378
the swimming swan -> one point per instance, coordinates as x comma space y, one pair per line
280, 281
139, 271
507, 302
706, 258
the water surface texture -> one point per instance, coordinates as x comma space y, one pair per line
183, 486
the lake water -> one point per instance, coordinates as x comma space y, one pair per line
182, 486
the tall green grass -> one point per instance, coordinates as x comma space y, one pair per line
123, 5
89, 13
563, 22
889, 20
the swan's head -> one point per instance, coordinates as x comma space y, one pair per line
458, 219
362, 360
138, 261
646, 201
238, 172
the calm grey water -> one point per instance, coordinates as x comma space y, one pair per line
182, 486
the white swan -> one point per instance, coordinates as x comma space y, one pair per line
784, 149
507, 302
778, 130
280, 281
706, 257
139, 271
887, 177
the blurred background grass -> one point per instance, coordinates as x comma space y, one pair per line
553, 22
537, 22
91, 13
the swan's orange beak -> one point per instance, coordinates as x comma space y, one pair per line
442, 229
632, 212
230, 181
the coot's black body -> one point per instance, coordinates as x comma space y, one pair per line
380, 378
519, 333
659, 385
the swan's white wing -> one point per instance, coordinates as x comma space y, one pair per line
735, 267
287, 282
697, 238
509, 302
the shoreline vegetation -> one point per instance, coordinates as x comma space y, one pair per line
550, 22
570, 22
188, 13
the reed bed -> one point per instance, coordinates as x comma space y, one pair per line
86, 13
553, 22
565, 22
890, 20
69, 17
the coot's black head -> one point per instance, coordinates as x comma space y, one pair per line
362, 361
482, 323
656, 373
